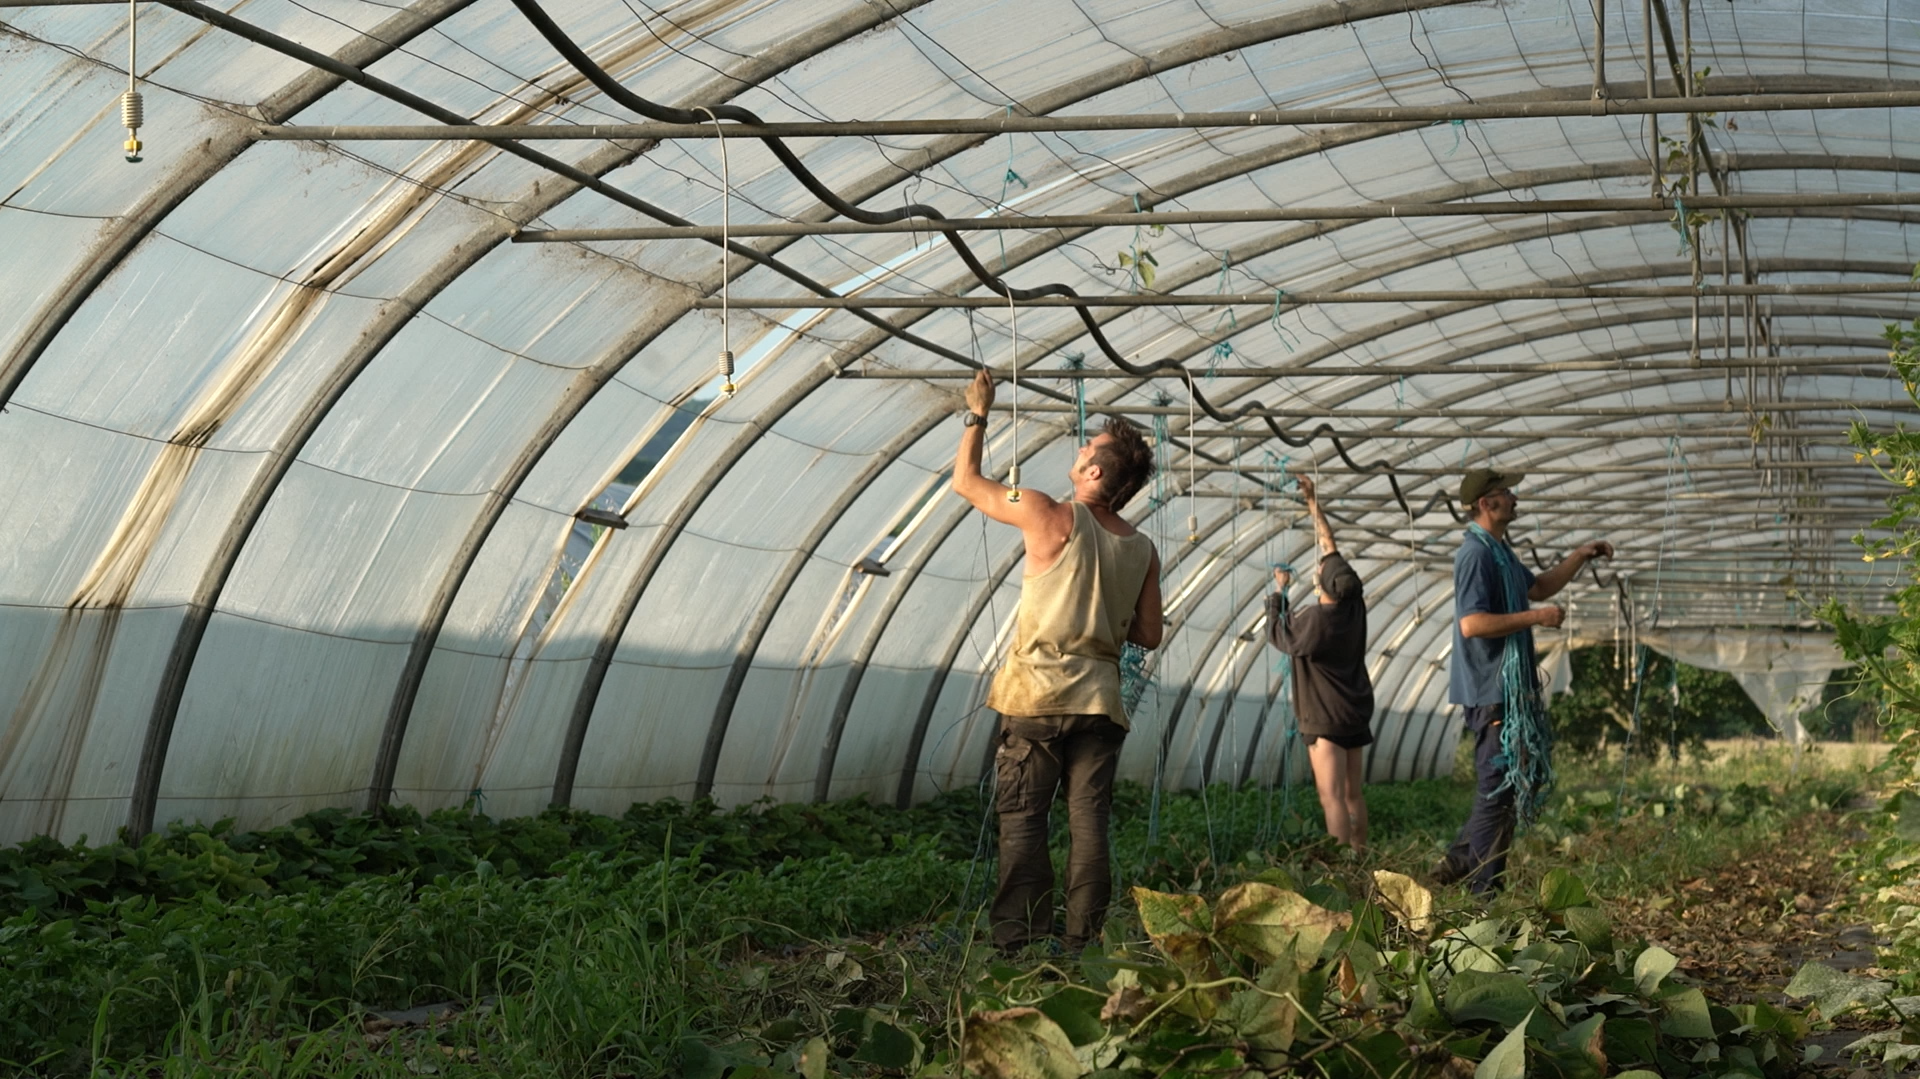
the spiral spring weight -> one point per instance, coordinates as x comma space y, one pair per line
132, 117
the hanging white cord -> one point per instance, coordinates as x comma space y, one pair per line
727, 388
1193, 453
1013, 470
132, 109
1413, 563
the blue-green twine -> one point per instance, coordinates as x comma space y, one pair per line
1456, 125
1526, 737
1223, 348
1134, 676
1680, 222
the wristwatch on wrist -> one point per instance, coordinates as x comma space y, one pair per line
973, 419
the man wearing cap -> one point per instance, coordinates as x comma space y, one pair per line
1332, 695
1494, 675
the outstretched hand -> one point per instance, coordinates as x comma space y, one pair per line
980, 393
1595, 549
1281, 579
1306, 486
1551, 616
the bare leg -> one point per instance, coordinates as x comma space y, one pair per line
1356, 800
1330, 779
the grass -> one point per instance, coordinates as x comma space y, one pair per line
717, 939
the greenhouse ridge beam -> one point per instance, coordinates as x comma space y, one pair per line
1146, 121
1362, 212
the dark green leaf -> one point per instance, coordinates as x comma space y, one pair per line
889, 1046
1589, 927
1560, 889
1077, 1011
1489, 996
1686, 1016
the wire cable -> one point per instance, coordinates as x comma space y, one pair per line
727, 388
618, 92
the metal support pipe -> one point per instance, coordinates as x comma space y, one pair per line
1595, 470
1705, 408
1586, 434
1268, 299
1371, 370
1699, 502
1252, 215
1012, 124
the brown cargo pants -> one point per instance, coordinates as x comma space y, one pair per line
1036, 754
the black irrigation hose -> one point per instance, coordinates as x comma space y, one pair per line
614, 90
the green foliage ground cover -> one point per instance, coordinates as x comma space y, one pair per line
124, 952
770, 940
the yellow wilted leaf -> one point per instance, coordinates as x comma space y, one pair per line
1268, 922
1404, 898
1019, 1043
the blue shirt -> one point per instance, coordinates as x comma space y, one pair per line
1475, 675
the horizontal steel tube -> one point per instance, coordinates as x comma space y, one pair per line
1146, 121
1693, 468
1704, 408
1600, 434
1295, 299
1364, 212
1560, 367
1720, 501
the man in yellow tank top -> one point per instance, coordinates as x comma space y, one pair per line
1092, 585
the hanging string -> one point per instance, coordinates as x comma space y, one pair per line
1673, 715
1639, 652
1666, 526
133, 111
1162, 454
1077, 361
1223, 349
1133, 269
1193, 459
1013, 470
1680, 225
1283, 665
727, 388
1162, 459
1010, 178
1279, 297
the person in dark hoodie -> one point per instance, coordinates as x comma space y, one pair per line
1332, 695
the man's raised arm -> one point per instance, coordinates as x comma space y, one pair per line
1551, 582
987, 496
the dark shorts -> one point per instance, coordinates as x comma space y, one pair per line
1344, 741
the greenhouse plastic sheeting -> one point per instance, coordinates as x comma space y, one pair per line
295, 435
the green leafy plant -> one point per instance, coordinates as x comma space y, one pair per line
1272, 976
